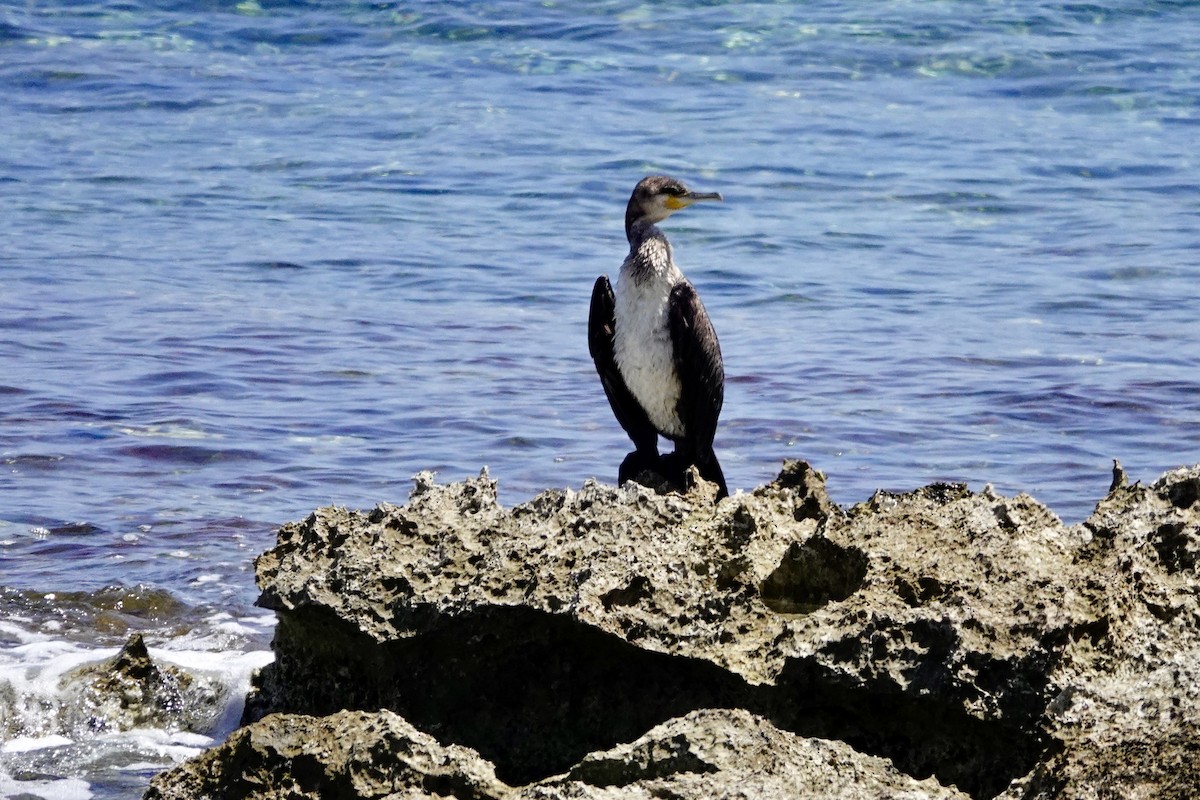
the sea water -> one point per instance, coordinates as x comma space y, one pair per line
259, 257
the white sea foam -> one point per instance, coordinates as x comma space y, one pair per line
26, 744
142, 750
156, 746
64, 789
35, 668
169, 432
12, 629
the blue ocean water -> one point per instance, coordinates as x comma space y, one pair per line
260, 257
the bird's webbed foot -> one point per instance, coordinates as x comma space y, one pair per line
669, 472
636, 463
662, 473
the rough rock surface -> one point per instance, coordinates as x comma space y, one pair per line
707, 755
731, 753
346, 755
965, 636
131, 691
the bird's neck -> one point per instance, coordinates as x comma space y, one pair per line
635, 218
650, 258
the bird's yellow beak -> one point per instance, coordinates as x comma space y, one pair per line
683, 201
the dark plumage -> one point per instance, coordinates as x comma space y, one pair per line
654, 347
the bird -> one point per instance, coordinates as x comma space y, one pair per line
654, 347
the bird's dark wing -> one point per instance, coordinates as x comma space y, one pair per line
601, 325
698, 364
701, 378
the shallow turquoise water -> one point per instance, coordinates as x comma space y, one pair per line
264, 257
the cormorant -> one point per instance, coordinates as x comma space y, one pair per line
654, 347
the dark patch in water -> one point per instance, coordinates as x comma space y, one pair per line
187, 454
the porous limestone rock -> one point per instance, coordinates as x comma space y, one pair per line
731, 753
345, 755
965, 639
707, 755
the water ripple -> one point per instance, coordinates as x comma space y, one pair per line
261, 258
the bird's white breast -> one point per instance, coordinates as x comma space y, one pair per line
643, 350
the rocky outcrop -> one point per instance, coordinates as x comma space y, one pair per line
731, 753
920, 644
706, 755
130, 690
345, 755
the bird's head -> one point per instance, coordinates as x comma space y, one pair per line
657, 197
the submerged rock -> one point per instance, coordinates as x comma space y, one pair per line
130, 690
578, 642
